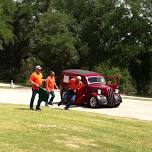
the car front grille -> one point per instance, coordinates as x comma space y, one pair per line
110, 96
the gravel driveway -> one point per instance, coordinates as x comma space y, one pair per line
131, 107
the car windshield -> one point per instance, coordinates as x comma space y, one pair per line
98, 79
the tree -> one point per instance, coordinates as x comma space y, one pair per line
6, 33
6, 29
53, 42
141, 64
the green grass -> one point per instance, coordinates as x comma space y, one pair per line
56, 130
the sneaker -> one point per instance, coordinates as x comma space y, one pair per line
59, 103
66, 108
31, 108
38, 108
50, 103
46, 105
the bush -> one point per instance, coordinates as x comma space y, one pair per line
150, 90
27, 68
126, 84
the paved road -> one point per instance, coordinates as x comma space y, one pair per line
131, 107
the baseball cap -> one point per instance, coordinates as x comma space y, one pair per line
38, 67
78, 77
52, 72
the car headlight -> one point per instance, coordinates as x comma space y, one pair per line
116, 90
99, 91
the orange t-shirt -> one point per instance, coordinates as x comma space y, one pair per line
50, 83
36, 78
74, 85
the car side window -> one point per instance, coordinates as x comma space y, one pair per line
92, 79
66, 79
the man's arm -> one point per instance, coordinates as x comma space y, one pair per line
56, 86
34, 83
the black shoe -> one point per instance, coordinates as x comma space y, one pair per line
38, 108
46, 105
50, 103
66, 108
31, 108
59, 103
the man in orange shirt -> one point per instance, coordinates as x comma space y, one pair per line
50, 85
36, 82
74, 85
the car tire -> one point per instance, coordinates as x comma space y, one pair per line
116, 105
93, 103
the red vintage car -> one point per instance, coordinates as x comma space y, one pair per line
96, 91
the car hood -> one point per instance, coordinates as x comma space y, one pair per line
99, 86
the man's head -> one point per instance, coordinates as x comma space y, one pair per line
78, 78
38, 68
52, 73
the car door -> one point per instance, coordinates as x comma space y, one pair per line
81, 93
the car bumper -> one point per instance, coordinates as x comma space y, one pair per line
102, 100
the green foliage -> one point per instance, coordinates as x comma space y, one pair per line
150, 90
6, 29
53, 42
79, 33
126, 84
27, 67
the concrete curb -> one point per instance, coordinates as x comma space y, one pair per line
9, 85
136, 98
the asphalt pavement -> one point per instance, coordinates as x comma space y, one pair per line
132, 107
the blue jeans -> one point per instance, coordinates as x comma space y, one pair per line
71, 100
69, 97
51, 99
34, 92
52, 96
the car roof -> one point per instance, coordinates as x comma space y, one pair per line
80, 72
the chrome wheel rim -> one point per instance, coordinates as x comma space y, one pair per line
93, 102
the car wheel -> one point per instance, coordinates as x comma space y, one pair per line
116, 105
93, 103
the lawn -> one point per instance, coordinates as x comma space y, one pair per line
56, 130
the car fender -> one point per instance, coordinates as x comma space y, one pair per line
93, 95
100, 99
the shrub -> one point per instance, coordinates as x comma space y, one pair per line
27, 67
126, 84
